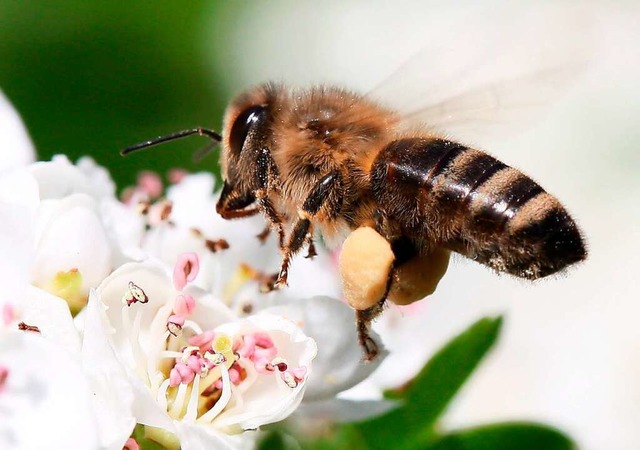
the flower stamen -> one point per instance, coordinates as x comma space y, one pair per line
185, 270
224, 397
134, 294
24, 327
192, 405
175, 324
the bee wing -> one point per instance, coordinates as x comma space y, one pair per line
488, 79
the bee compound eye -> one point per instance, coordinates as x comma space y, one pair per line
243, 124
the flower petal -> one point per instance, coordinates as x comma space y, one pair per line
338, 365
18, 150
70, 236
45, 388
18, 204
197, 437
52, 317
112, 392
59, 178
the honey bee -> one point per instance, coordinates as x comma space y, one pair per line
326, 161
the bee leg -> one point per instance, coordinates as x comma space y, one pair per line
364, 317
363, 323
264, 234
326, 192
311, 253
266, 179
272, 215
233, 204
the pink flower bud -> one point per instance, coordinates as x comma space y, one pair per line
150, 183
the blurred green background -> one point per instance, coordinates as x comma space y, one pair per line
90, 78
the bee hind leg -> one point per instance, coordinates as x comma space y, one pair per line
325, 193
363, 327
364, 317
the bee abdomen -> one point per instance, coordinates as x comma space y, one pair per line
443, 193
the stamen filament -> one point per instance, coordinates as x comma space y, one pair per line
224, 397
134, 338
161, 396
192, 406
178, 403
170, 354
192, 325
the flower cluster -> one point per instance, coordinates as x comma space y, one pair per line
151, 311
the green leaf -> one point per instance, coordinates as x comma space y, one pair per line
426, 397
273, 440
344, 436
504, 436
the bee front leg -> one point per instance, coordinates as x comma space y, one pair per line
271, 214
325, 193
266, 180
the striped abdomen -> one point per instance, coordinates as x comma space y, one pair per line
441, 193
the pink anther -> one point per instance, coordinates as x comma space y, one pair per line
184, 305
185, 270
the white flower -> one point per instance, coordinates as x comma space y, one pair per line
49, 317
197, 370
16, 149
60, 228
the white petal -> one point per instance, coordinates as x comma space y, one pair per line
52, 316
144, 407
310, 277
338, 365
193, 201
18, 204
70, 235
153, 278
112, 392
198, 437
269, 400
59, 178
46, 402
102, 184
124, 228
16, 148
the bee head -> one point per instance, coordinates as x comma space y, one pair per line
246, 139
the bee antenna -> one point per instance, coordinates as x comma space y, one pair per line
170, 137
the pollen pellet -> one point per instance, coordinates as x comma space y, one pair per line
418, 277
365, 262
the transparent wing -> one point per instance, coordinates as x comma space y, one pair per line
489, 77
